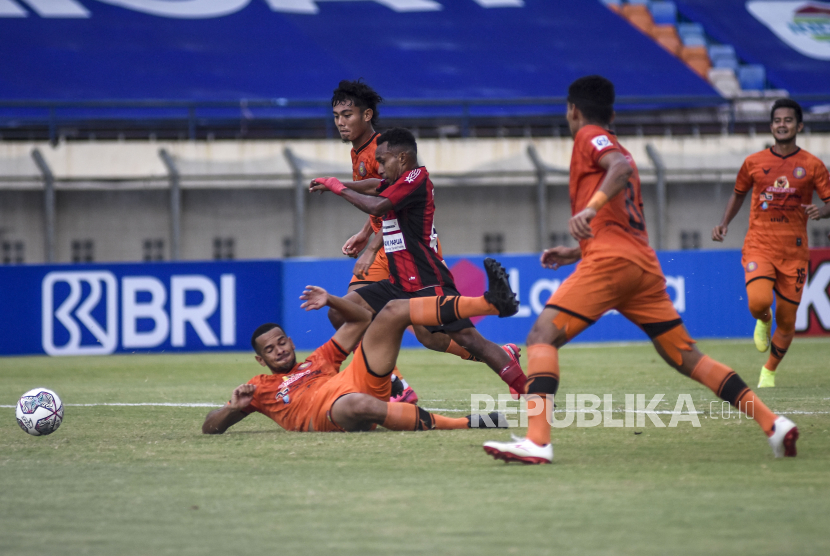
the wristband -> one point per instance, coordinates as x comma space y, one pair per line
334, 185
598, 200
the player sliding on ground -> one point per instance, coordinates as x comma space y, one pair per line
314, 396
781, 181
618, 270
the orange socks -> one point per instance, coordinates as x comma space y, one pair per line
723, 381
542, 384
408, 417
434, 311
784, 332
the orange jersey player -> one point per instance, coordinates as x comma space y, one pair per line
315, 395
780, 181
618, 270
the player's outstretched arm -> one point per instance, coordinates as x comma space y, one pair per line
367, 187
560, 256
736, 201
376, 206
617, 172
220, 420
356, 318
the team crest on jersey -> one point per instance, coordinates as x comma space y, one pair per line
751, 266
412, 175
362, 169
799, 172
601, 142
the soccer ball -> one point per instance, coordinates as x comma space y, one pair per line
39, 412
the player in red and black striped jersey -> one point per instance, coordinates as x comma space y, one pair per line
405, 201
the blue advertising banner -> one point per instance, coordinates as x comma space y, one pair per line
123, 308
176, 307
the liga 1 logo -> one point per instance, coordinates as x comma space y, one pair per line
803, 26
80, 311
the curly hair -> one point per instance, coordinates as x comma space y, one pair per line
358, 93
594, 96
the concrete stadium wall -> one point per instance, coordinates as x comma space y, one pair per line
116, 194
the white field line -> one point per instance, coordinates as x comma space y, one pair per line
442, 409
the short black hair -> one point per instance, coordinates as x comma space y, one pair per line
787, 103
262, 329
399, 137
359, 94
594, 96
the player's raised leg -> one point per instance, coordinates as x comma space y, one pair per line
759, 297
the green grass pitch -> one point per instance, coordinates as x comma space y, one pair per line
125, 480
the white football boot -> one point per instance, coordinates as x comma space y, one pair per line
783, 438
520, 449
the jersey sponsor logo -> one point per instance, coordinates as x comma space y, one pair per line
283, 392
764, 205
601, 142
391, 225
766, 170
799, 172
803, 26
394, 242
412, 175
362, 169
781, 220
751, 266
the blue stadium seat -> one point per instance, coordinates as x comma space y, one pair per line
640, 2
725, 62
611, 2
752, 77
693, 40
664, 13
689, 29
723, 56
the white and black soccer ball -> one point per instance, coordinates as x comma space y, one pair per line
39, 412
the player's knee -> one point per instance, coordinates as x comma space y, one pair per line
548, 334
759, 305
366, 409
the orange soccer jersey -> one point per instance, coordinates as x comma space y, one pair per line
778, 186
289, 398
619, 227
364, 167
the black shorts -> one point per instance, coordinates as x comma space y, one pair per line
378, 294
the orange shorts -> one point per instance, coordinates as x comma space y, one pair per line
599, 285
787, 275
355, 378
378, 270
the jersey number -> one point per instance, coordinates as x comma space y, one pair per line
635, 217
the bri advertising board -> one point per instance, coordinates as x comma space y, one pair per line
99, 309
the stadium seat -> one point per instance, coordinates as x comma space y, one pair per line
752, 77
725, 82
723, 56
697, 58
613, 5
693, 40
666, 36
639, 16
664, 13
684, 29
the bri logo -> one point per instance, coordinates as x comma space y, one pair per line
601, 142
80, 311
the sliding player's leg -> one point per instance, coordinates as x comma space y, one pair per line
760, 279
653, 311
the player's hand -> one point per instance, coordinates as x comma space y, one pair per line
719, 233
317, 186
812, 212
361, 267
242, 396
314, 298
331, 184
580, 224
560, 256
355, 244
